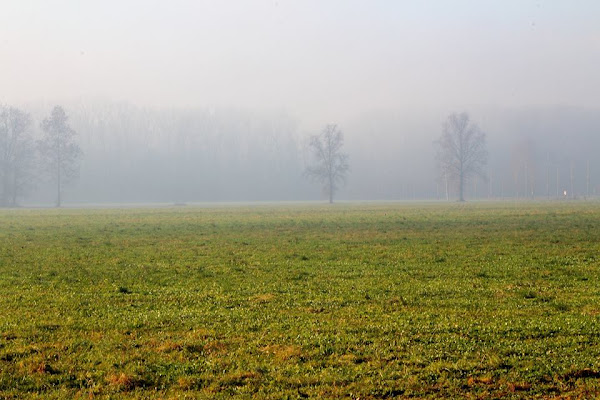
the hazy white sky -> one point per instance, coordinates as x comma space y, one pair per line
318, 59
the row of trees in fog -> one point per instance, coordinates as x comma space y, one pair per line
461, 156
56, 155
22, 158
125, 153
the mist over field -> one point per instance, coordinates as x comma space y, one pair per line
216, 101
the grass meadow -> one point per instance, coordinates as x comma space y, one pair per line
482, 300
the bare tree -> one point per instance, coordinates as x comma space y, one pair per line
17, 154
59, 150
330, 164
461, 153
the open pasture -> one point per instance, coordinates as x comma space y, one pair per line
288, 301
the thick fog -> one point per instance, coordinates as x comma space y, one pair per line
201, 101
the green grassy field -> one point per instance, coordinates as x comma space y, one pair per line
361, 301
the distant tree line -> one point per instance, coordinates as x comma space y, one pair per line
135, 154
138, 154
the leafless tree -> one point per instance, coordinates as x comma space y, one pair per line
17, 154
461, 153
330, 163
58, 149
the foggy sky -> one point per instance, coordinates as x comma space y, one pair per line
321, 61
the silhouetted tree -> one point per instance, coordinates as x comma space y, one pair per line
17, 154
330, 164
58, 149
461, 152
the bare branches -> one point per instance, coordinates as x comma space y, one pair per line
331, 165
17, 154
461, 152
58, 149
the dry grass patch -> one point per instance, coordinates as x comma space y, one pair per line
239, 378
590, 310
262, 298
215, 347
283, 352
479, 380
122, 381
519, 387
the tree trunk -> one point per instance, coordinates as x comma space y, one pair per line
446, 182
5, 190
14, 190
461, 187
490, 186
58, 159
58, 186
526, 181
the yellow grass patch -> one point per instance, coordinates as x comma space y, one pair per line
283, 352
479, 380
168, 346
121, 381
215, 347
262, 298
590, 310
186, 382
